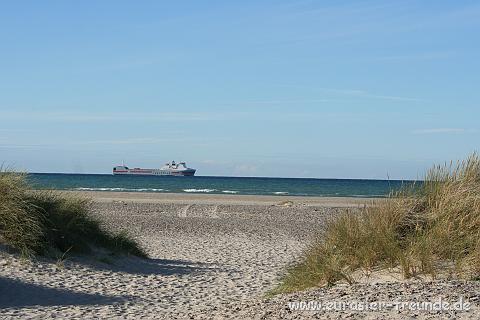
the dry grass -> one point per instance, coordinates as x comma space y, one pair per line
50, 223
432, 228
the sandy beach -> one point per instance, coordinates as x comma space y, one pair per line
211, 257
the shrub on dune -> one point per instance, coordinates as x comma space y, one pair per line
45, 221
430, 228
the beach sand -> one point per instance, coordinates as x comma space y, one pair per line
211, 257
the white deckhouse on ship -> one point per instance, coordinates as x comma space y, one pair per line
169, 169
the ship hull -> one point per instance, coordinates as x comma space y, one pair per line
169, 169
154, 172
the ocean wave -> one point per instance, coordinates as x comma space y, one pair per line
280, 192
367, 196
229, 191
199, 190
121, 189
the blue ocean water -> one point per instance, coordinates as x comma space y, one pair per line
218, 185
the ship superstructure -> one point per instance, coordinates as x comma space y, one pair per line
169, 169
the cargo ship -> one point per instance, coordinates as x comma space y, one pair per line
169, 169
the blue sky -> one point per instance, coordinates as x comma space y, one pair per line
342, 89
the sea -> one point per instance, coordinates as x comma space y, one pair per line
218, 185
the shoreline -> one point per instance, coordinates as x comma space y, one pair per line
216, 199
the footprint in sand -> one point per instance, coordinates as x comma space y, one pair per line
214, 213
183, 212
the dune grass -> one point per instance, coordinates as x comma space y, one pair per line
430, 229
46, 222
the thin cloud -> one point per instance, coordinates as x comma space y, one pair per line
287, 101
351, 93
366, 94
114, 116
21, 146
13, 130
440, 131
392, 98
143, 141
125, 141
417, 57
134, 141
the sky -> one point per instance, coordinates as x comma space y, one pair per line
320, 89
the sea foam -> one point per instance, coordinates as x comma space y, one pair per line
121, 189
199, 190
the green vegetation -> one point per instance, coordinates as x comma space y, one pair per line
432, 229
49, 223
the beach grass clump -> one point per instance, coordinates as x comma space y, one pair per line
20, 226
431, 228
48, 222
